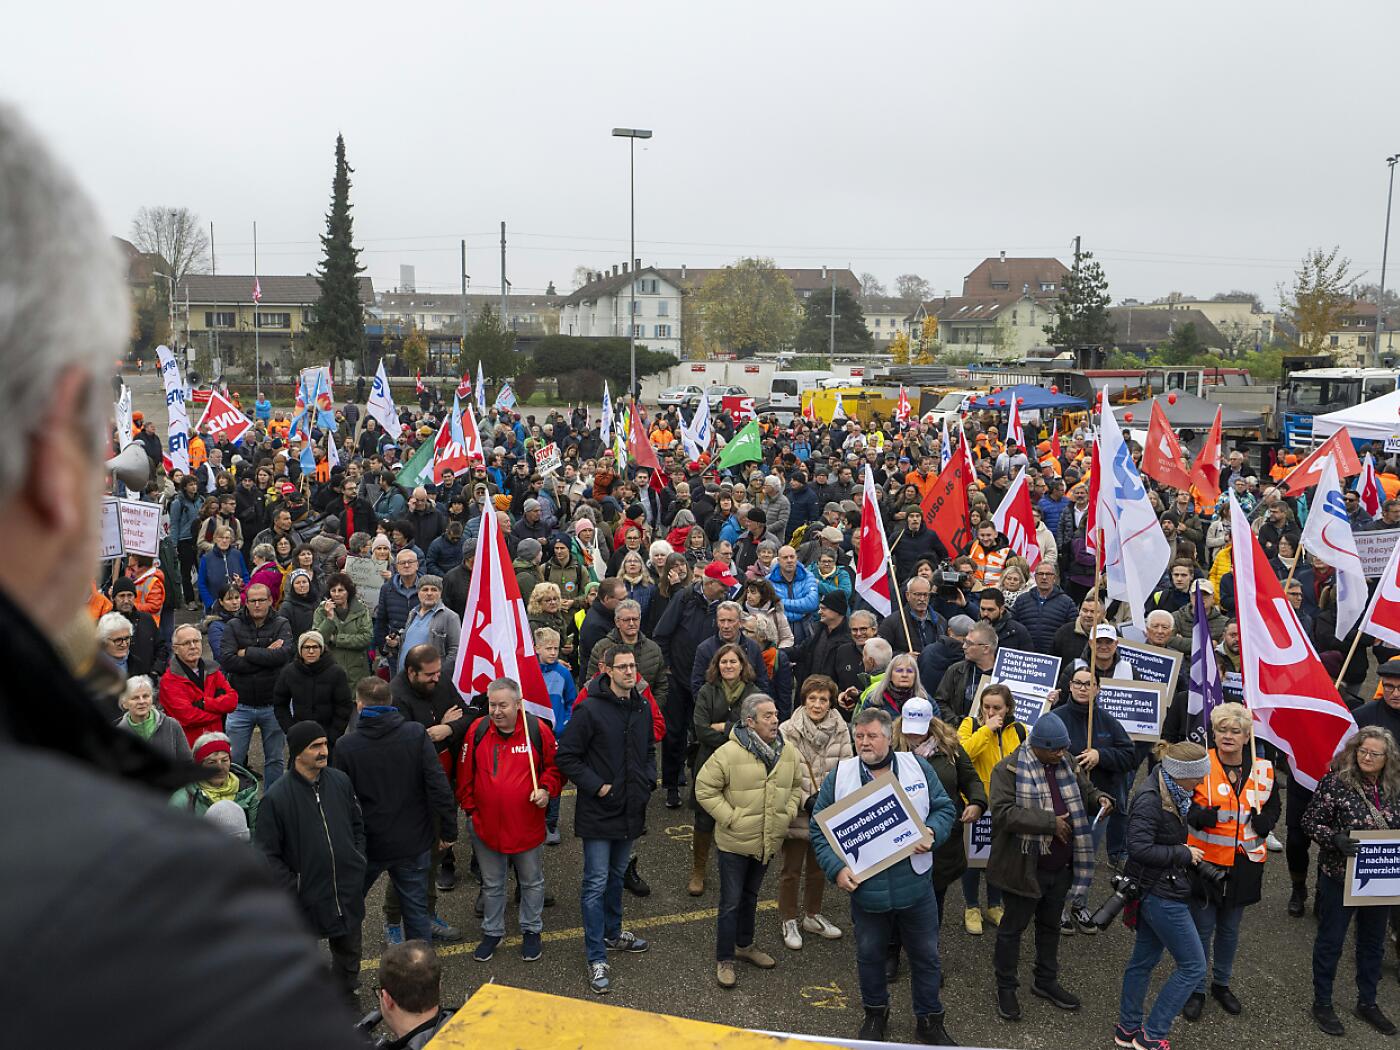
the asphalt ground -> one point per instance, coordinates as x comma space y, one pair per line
815, 992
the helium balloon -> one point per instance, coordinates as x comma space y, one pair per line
1128, 416
1171, 399
1054, 390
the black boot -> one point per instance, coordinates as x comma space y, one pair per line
1327, 1020
1008, 1005
929, 1030
1226, 998
633, 881
872, 1028
1194, 1005
1298, 901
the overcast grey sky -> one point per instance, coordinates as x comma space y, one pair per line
1197, 147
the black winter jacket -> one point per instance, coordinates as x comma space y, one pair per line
254, 674
705, 652
1043, 617
689, 619
1157, 855
149, 653
96, 799
608, 741
428, 710
830, 652
1117, 755
318, 692
402, 789
313, 836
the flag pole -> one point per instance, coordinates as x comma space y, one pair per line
1347, 662
257, 347
898, 597
1098, 618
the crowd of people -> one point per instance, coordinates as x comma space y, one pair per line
700, 635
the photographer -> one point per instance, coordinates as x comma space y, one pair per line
1160, 863
953, 588
1361, 793
1235, 809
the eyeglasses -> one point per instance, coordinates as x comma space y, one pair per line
1370, 754
124, 639
1082, 681
309, 646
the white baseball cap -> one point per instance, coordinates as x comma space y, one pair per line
1105, 630
916, 715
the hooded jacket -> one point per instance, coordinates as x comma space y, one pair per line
494, 783
197, 699
402, 789
799, 596
609, 741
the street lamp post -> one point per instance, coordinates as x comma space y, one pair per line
632, 135
1375, 355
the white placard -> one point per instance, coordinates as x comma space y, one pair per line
140, 527
111, 529
547, 458
1374, 549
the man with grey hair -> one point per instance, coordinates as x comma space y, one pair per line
864, 625
627, 630
900, 898
775, 505
958, 687
61, 755
935, 659
729, 619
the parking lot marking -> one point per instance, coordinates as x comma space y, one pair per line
646, 922
825, 996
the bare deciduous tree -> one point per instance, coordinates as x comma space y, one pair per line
911, 286
871, 286
176, 235
582, 275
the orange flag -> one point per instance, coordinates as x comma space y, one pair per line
1161, 458
1205, 472
1307, 473
640, 452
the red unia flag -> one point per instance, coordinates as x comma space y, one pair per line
901, 408
452, 454
222, 417
496, 638
1369, 487
640, 452
1015, 435
257, 290
1161, 458
1014, 520
418, 387
464, 388
1295, 705
873, 555
1309, 472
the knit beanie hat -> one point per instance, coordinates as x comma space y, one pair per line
228, 816
1049, 733
836, 602
301, 736
1179, 769
211, 743
123, 583
528, 549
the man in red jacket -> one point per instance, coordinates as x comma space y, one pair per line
504, 782
195, 694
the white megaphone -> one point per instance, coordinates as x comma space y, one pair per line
131, 467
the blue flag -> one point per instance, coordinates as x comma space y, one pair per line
307, 461
1205, 687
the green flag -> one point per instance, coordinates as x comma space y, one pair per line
418, 469
744, 447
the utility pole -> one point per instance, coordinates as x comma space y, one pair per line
1374, 357
257, 346
462, 352
503, 274
215, 363
831, 351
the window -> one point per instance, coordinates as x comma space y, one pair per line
639, 331
280, 320
1361, 342
1013, 316
218, 319
877, 322
663, 331
648, 285
1047, 286
308, 315
663, 308
1000, 286
1333, 340
635, 307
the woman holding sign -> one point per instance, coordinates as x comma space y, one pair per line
1361, 793
988, 737
1232, 813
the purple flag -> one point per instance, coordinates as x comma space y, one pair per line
1205, 688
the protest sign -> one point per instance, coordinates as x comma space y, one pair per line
140, 527
977, 840
222, 418
1151, 663
1029, 676
111, 529
1138, 706
873, 828
365, 573
1028, 710
547, 458
1374, 549
1373, 875
1232, 687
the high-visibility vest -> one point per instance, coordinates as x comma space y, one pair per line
1233, 831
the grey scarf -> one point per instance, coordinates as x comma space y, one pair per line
768, 754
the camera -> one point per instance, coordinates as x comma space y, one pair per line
1125, 889
949, 578
1212, 879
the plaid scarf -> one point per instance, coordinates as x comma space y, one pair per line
1033, 792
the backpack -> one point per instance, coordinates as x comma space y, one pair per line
532, 727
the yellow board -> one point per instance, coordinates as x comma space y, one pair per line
861, 403
504, 1018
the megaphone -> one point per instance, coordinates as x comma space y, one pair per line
131, 467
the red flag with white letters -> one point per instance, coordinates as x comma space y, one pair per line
1161, 456
1015, 521
873, 554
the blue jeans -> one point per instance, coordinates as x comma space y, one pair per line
918, 933
1220, 926
551, 814
529, 872
604, 863
970, 880
1115, 825
410, 880
1333, 918
239, 726
1162, 924
740, 879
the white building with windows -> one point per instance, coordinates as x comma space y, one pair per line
602, 307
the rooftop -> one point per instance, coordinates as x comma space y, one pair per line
234, 289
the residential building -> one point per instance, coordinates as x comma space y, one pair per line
885, 316
220, 316
1350, 342
806, 281
1239, 320
601, 307
1142, 329
440, 313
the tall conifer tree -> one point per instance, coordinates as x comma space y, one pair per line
339, 328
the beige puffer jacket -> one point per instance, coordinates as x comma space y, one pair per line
752, 806
819, 746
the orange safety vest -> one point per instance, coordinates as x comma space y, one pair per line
989, 564
1233, 831
197, 452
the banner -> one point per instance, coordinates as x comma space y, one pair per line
1327, 536
1015, 520
1161, 455
1138, 706
739, 409
381, 404
1373, 548
505, 398
1152, 664
1029, 676
873, 551
547, 458
222, 417
977, 841
744, 447
130, 526
1136, 552
945, 506
179, 429
873, 828
605, 425
1309, 472
1373, 875
122, 414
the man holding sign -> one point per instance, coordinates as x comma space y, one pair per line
894, 897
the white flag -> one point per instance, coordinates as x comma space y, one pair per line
179, 430
696, 437
1136, 551
839, 411
945, 448
480, 390
381, 404
1328, 536
605, 428
123, 418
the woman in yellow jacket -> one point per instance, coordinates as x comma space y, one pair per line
988, 738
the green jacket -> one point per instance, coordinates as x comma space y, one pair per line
192, 800
752, 805
348, 640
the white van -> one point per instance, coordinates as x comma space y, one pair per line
785, 391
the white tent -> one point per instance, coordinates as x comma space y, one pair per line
1376, 420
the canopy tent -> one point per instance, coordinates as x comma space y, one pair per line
1376, 420
1033, 399
1196, 413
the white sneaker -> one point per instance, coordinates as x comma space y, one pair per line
1272, 842
791, 937
817, 924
